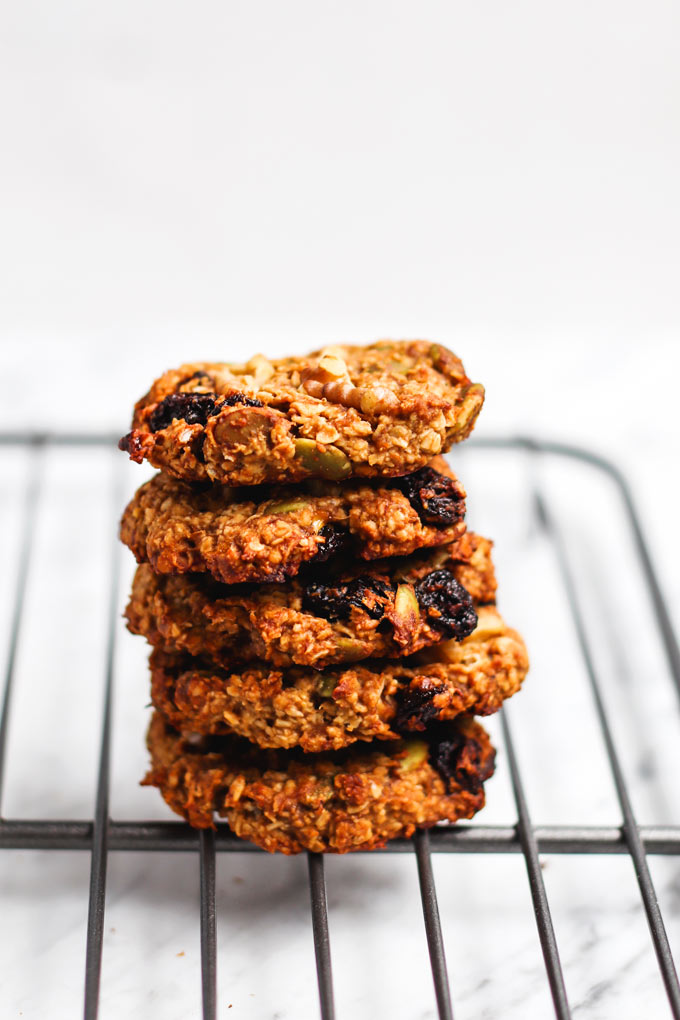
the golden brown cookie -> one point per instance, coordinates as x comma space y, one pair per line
328, 710
356, 800
386, 608
267, 533
385, 409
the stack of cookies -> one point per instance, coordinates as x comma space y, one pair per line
323, 625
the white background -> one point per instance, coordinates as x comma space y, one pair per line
188, 181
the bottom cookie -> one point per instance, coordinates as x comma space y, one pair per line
356, 799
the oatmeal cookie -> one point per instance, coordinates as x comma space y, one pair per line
267, 533
388, 608
320, 711
385, 409
356, 800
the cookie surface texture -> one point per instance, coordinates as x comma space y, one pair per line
379, 410
386, 608
268, 533
324, 803
331, 709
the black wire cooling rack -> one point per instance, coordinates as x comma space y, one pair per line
103, 835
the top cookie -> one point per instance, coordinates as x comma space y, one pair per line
385, 409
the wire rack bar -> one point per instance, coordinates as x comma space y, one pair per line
433, 928
87, 439
154, 837
98, 867
670, 642
208, 924
30, 509
322, 942
539, 896
630, 827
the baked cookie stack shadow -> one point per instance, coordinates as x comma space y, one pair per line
323, 625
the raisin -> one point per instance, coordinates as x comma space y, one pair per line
416, 707
241, 398
127, 443
446, 756
197, 444
193, 408
334, 539
458, 758
335, 602
436, 498
447, 604
200, 378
